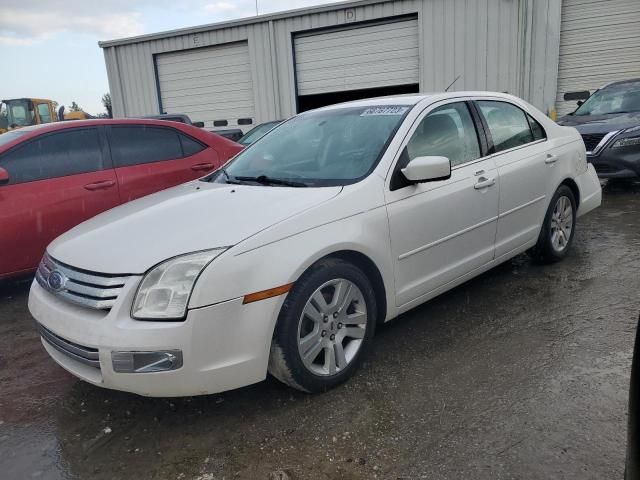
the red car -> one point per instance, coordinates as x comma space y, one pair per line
54, 176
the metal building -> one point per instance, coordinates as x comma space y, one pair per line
599, 43
244, 72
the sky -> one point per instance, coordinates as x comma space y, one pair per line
49, 48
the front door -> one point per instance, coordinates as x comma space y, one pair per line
444, 229
56, 181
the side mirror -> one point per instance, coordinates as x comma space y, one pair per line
4, 176
579, 95
425, 169
198, 124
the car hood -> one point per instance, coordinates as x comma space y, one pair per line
588, 124
195, 216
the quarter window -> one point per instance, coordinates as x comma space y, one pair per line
56, 155
508, 124
448, 131
536, 129
190, 146
138, 144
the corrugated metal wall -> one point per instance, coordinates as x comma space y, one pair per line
501, 45
600, 44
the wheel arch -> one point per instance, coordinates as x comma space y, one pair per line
372, 272
573, 186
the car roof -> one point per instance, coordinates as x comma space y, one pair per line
619, 83
35, 130
54, 126
414, 99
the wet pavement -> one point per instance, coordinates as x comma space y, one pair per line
520, 373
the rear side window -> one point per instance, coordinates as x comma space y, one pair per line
56, 155
508, 124
138, 144
190, 146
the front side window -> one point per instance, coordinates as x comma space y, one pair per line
56, 155
508, 124
139, 144
44, 112
328, 147
20, 113
448, 131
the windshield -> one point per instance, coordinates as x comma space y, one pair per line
321, 148
621, 98
256, 133
20, 113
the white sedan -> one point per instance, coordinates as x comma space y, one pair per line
286, 260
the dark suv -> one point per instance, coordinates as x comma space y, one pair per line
609, 122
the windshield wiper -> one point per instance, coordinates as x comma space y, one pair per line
227, 177
265, 180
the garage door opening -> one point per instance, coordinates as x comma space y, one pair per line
309, 102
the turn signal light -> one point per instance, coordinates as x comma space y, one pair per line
264, 294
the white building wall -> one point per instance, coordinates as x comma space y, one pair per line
600, 44
500, 45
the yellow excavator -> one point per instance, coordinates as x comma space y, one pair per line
21, 112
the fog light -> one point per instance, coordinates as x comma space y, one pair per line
146, 362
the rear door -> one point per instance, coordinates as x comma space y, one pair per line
150, 158
525, 164
56, 181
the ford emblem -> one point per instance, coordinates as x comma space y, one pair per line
56, 281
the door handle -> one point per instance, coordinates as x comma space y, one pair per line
100, 185
201, 166
551, 159
484, 182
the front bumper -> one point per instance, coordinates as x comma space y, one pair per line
224, 346
614, 163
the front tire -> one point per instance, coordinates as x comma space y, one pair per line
324, 328
558, 229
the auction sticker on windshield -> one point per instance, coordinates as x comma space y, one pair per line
378, 111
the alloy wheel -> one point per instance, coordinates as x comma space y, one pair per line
332, 327
561, 223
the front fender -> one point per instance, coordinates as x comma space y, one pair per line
238, 272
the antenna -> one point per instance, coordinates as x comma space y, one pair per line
257, 8
451, 84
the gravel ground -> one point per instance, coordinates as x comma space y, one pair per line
520, 373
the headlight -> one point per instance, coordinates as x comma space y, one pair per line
626, 142
164, 292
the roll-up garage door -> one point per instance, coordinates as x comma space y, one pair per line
357, 57
599, 43
211, 84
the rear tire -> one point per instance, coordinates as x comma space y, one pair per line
558, 228
325, 327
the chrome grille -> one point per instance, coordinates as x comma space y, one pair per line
92, 290
87, 355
